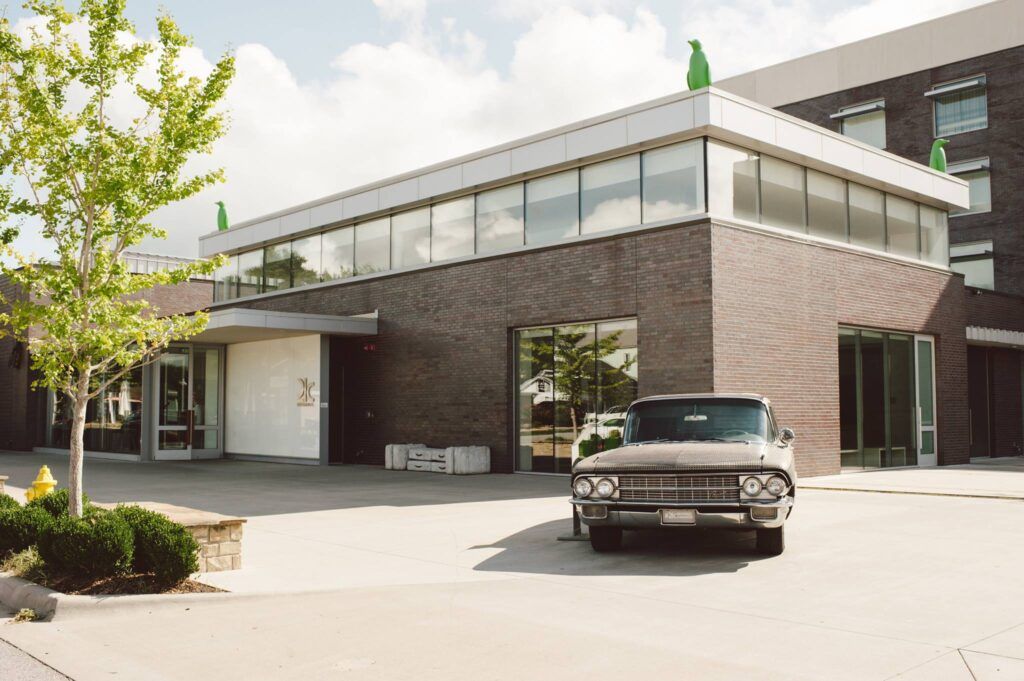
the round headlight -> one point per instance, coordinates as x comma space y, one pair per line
751, 487
775, 485
582, 488
605, 488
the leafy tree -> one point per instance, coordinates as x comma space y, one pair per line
90, 184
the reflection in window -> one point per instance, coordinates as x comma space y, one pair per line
867, 217
961, 111
306, 260
901, 226
410, 238
782, 194
339, 253
934, 236
113, 419
826, 206
499, 219
553, 207
732, 181
225, 280
980, 187
277, 267
868, 128
373, 247
673, 181
250, 273
610, 194
452, 230
974, 260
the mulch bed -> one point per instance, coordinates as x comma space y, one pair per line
123, 585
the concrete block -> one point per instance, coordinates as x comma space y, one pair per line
201, 533
218, 563
439, 455
230, 548
236, 532
468, 460
420, 466
422, 453
396, 456
209, 550
219, 533
438, 467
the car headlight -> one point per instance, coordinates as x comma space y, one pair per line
752, 487
775, 485
605, 488
582, 488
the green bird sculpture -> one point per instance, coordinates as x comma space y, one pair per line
938, 157
699, 74
222, 217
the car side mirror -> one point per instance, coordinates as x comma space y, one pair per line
786, 435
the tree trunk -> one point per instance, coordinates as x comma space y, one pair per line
77, 445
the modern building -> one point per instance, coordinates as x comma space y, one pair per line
958, 77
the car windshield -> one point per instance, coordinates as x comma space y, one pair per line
700, 420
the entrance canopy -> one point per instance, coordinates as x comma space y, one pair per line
980, 335
242, 325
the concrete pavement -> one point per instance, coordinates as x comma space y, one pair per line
17, 665
998, 478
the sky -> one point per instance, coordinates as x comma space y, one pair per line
332, 94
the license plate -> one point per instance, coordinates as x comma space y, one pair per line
678, 516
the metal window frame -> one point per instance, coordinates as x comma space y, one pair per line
858, 109
957, 85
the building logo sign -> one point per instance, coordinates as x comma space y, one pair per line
307, 393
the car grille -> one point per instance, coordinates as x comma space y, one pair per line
696, 488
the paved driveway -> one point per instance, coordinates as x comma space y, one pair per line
368, 574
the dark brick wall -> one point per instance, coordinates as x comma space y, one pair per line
1006, 420
994, 310
909, 133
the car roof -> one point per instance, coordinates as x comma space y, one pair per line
706, 396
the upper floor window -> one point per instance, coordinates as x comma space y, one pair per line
960, 106
975, 261
863, 122
976, 174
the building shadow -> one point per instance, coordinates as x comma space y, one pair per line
669, 553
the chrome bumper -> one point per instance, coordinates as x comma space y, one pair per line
706, 516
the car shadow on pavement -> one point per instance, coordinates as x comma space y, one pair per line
674, 553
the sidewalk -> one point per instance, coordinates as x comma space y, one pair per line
1001, 478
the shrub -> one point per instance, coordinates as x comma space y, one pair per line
21, 527
162, 546
7, 501
56, 502
99, 545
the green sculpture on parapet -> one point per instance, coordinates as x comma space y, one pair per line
222, 217
938, 157
699, 74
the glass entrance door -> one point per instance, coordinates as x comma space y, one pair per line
925, 373
188, 403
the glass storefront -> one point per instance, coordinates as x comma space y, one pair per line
572, 381
113, 419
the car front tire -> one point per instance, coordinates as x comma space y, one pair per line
772, 541
604, 539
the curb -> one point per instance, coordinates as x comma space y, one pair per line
997, 497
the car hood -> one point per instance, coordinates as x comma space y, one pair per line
690, 456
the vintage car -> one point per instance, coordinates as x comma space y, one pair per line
706, 461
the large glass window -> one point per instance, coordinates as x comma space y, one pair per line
961, 111
975, 260
250, 273
673, 182
826, 206
901, 226
410, 238
225, 280
373, 246
339, 253
732, 181
277, 267
553, 207
574, 384
610, 194
499, 219
867, 217
306, 260
980, 187
452, 230
934, 236
113, 419
868, 128
782, 194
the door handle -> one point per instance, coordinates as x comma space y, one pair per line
191, 424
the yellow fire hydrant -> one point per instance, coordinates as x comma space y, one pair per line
42, 485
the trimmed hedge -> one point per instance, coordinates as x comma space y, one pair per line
99, 545
56, 503
162, 546
21, 527
7, 501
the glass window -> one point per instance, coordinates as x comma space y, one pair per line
901, 226
782, 194
673, 183
980, 187
732, 181
867, 218
553, 207
499, 219
225, 280
961, 111
976, 262
934, 236
113, 419
277, 267
306, 260
826, 206
250, 273
373, 246
868, 128
452, 231
610, 194
339, 253
410, 238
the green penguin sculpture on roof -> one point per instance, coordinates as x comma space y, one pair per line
222, 217
699, 74
937, 160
